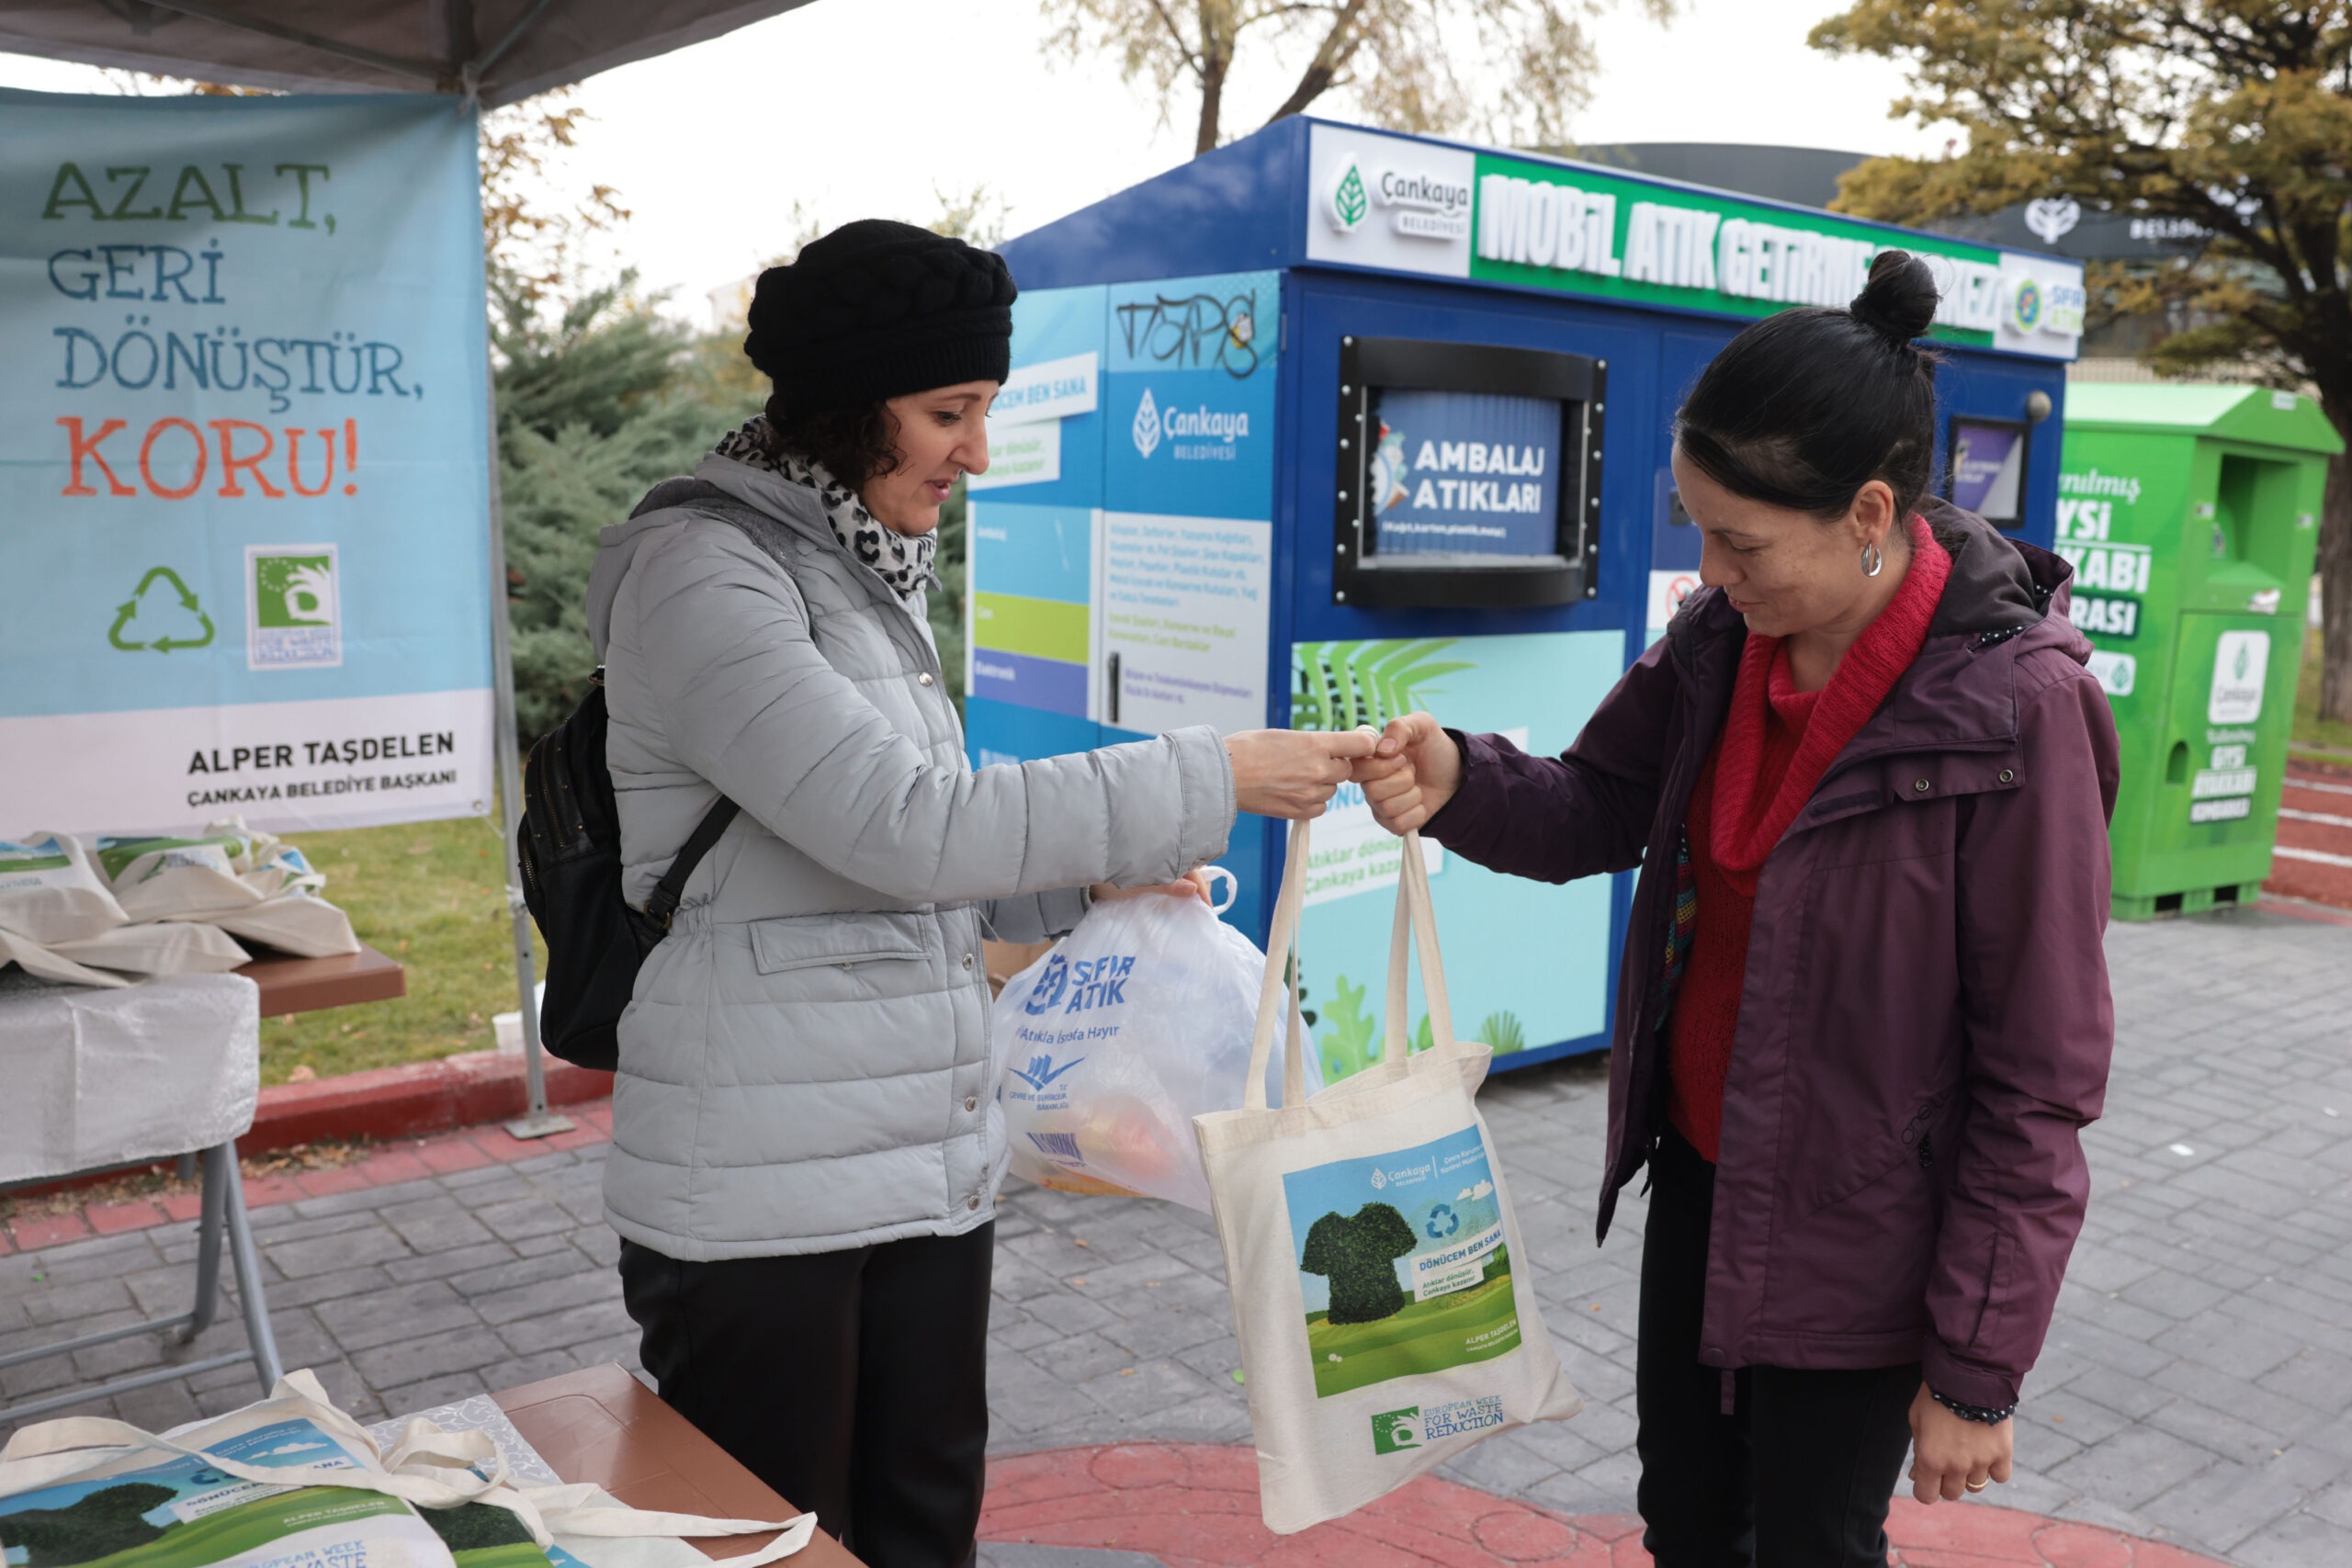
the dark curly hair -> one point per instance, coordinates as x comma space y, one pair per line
853, 445
1805, 406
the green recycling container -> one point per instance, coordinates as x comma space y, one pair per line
2190, 516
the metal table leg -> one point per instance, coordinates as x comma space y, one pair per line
221, 1214
259, 1339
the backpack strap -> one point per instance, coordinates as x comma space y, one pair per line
663, 902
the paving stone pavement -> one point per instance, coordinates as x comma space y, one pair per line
2196, 1386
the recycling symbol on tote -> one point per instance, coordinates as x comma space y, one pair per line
1443, 1222
162, 613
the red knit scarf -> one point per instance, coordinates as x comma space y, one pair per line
1758, 793
1776, 744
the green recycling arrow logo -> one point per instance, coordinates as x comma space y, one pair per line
152, 619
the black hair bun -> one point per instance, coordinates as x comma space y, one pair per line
1899, 301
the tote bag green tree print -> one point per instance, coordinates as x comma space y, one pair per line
1370, 1247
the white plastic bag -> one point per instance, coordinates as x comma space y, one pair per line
50, 892
1381, 1291
1112, 1043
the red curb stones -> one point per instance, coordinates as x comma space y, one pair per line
47, 1230
108, 1219
447, 1156
408, 1161
409, 1102
1195, 1505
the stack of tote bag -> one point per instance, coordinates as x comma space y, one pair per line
1382, 1297
293, 1480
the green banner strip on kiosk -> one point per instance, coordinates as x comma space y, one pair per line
1580, 232
1042, 628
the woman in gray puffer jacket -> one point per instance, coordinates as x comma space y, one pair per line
806, 1140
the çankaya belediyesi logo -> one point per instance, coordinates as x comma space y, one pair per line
1350, 200
1147, 425
1422, 206
1202, 431
2053, 218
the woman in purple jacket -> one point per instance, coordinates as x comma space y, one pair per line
1863, 1015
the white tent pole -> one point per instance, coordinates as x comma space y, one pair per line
537, 1121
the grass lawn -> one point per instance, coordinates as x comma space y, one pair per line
1476, 1324
433, 896
2310, 728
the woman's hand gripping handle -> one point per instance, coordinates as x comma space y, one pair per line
1411, 774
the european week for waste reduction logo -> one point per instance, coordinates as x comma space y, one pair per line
294, 608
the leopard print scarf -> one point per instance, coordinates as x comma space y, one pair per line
902, 562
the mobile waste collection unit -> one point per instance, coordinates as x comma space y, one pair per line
1330, 424
2190, 514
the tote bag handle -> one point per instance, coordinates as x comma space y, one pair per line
1417, 913
1282, 956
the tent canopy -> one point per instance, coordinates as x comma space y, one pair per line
502, 50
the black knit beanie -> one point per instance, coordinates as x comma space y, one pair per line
875, 309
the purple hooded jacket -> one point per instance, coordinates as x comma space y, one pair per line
1925, 1027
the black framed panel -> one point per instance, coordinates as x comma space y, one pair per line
1539, 550
1984, 468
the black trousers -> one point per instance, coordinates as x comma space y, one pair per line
855, 1382
1800, 1473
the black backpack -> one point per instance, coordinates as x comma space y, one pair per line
570, 849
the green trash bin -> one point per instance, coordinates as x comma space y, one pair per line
2190, 516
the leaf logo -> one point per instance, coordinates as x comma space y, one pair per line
1379, 1178
1350, 202
2243, 662
1147, 425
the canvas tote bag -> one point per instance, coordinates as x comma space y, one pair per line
1380, 1290
295, 1440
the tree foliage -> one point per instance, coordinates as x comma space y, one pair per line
596, 404
534, 245
2236, 115
1527, 64
99, 1524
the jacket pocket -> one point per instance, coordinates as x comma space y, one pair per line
835, 941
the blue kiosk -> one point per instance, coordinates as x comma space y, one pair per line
1330, 424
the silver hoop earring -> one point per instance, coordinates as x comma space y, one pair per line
1873, 561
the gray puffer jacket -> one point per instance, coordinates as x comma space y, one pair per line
806, 1066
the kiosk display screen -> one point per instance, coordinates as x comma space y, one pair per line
1466, 473
1469, 474
1988, 470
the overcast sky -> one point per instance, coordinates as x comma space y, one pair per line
866, 108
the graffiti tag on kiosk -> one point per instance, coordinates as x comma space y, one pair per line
1195, 331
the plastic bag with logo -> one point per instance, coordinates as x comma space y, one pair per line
1112, 1043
